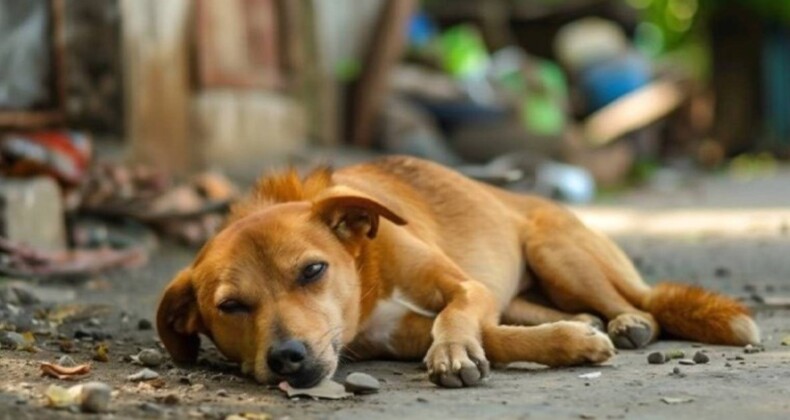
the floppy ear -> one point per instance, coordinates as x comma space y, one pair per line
178, 320
354, 216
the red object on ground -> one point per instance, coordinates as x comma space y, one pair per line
64, 155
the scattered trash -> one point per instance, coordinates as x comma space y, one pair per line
701, 358
591, 375
101, 353
656, 358
361, 383
63, 372
327, 389
675, 354
91, 397
676, 400
143, 375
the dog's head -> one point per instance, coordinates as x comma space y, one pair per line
277, 290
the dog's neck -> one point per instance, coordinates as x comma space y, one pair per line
373, 284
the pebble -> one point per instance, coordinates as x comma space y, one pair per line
95, 397
749, 349
93, 334
66, 361
144, 325
701, 358
656, 358
13, 340
150, 357
686, 362
222, 393
677, 372
361, 383
152, 408
143, 375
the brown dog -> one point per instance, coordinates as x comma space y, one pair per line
405, 259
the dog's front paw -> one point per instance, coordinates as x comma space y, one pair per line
457, 364
578, 343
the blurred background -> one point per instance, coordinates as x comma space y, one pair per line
159, 112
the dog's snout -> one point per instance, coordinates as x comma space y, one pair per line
286, 357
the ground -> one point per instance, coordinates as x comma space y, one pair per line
725, 234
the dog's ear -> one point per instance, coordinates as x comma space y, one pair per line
354, 216
178, 319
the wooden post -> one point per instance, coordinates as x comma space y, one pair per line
156, 75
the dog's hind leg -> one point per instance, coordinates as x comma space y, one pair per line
563, 343
583, 271
523, 312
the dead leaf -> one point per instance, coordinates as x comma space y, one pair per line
327, 389
101, 353
76, 312
62, 372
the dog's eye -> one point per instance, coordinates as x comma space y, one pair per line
232, 306
312, 272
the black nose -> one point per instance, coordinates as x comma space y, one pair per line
286, 357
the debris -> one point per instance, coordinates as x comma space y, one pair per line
750, 349
591, 375
91, 397
701, 358
249, 416
786, 341
148, 357
677, 372
656, 358
144, 325
12, 340
686, 362
361, 383
66, 361
327, 389
675, 354
674, 400
101, 353
222, 393
143, 375
151, 408
63, 372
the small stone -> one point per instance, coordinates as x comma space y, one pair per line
171, 399
144, 325
66, 361
750, 349
739, 357
422, 400
150, 358
361, 383
677, 372
656, 358
722, 272
727, 364
786, 341
94, 322
143, 375
95, 397
12, 340
151, 408
222, 393
701, 358
686, 362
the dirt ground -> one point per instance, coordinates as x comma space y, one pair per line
714, 248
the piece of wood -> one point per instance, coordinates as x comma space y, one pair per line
383, 52
237, 43
156, 78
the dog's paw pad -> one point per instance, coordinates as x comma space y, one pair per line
629, 331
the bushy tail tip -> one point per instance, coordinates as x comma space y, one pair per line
694, 313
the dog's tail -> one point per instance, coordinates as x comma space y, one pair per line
693, 313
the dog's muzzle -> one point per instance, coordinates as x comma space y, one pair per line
293, 361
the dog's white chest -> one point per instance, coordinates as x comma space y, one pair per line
386, 318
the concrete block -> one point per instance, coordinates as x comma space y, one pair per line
31, 213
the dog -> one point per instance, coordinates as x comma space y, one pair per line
405, 259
